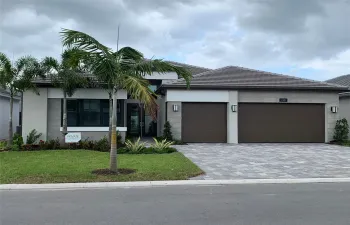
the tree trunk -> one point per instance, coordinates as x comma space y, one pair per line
10, 140
64, 128
113, 153
110, 116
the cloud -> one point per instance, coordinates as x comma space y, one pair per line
275, 35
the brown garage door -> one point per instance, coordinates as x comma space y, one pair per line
263, 122
204, 122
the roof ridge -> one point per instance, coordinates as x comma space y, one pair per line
199, 67
201, 74
338, 77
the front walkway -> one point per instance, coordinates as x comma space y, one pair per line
269, 161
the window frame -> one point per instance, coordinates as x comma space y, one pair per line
80, 112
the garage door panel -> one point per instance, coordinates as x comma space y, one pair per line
204, 122
264, 122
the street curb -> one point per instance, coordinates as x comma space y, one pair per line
62, 186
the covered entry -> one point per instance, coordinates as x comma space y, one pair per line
204, 122
278, 122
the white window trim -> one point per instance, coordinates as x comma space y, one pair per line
98, 129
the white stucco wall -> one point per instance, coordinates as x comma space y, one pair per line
344, 109
35, 113
327, 98
84, 93
5, 115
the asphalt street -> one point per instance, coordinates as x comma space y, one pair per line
276, 204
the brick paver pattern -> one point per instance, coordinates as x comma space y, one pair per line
269, 161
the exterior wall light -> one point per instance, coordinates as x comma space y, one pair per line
175, 108
234, 108
334, 109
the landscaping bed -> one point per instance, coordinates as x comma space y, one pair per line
67, 166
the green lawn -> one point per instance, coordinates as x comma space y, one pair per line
76, 166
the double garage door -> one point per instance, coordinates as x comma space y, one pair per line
257, 123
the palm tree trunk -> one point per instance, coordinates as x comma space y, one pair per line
64, 128
9, 141
113, 153
110, 116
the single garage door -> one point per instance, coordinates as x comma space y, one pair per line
264, 122
204, 122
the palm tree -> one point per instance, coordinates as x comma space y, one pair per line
68, 75
123, 69
17, 77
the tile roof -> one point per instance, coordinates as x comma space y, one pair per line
341, 80
239, 77
194, 69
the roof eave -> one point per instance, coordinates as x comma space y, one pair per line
212, 87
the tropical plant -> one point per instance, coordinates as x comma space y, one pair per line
33, 136
135, 147
161, 145
66, 75
17, 77
17, 142
122, 69
341, 131
167, 134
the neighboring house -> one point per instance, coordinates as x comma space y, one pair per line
230, 104
88, 110
344, 97
5, 113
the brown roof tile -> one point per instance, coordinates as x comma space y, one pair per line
239, 77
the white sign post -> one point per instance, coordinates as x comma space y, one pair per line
72, 137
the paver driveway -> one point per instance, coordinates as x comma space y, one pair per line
264, 161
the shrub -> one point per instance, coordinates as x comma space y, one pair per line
53, 144
102, 145
86, 144
179, 142
135, 147
167, 134
341, 131
162, 145
17, 142
33, 136
3, 145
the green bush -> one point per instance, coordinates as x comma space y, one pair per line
160, 146
135, 147
102, 145
3, 145
167, 134
17, 142
149, 150
341, 131
33, 136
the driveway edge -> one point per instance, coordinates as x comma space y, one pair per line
62, 186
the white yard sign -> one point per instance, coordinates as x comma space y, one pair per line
72, 137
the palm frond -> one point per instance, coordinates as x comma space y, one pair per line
25, 62
50, 64
6, 71
72, 38
149, 66
139, 89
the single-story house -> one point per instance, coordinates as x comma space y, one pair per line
344, 97
226, 105
5, 113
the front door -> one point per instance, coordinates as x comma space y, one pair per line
139, 123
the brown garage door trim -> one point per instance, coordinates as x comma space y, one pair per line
213, 130
281, 123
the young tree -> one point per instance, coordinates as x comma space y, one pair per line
17, 77
68, 75
124, 69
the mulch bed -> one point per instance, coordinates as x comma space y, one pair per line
123, 171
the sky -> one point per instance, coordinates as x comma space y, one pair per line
305, 38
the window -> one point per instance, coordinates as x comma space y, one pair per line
92, 113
